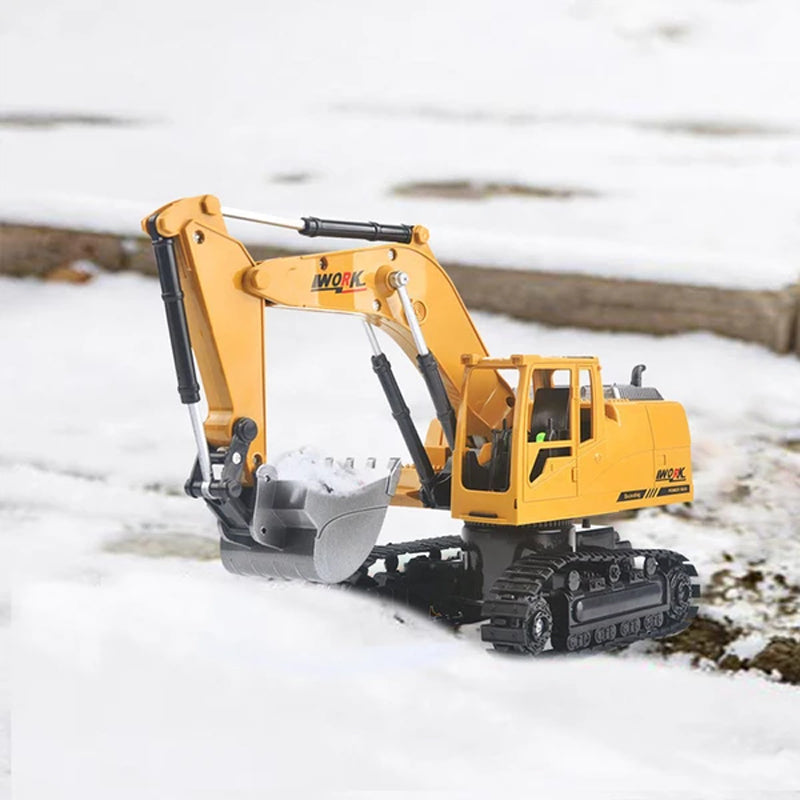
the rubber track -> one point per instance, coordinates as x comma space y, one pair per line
382, 551
530, 576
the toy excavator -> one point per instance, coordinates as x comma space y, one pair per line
524, 461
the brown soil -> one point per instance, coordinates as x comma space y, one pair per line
782, 654
715, 128
52, 120
709, 639
161, 544
292, 177
756, 586
704, 638
792, 443
477, 190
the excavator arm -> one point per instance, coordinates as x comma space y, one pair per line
398, 287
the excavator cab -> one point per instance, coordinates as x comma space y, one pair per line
510, 474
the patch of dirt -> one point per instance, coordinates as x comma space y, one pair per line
709, 640
782, 655
53, 120
165, 545
714, 128
738, 494
292, 177
749, 619
704, 638
673, 32
791, 443
690, 127
766, 591
43, 466
165, 489
477, 190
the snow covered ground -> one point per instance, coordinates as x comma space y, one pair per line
656, 140
140, 668
650, 140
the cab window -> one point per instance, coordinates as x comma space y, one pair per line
551, 394
551, 419
585, 382
487, 456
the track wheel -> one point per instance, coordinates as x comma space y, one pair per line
537, 625
680, 592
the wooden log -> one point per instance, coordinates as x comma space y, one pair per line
768, 317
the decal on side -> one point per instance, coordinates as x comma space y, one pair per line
674, 490
634, 494
339, 282
671, 474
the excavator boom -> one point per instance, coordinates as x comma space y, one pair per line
225, 293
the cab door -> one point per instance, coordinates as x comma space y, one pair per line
553, 434
592, 462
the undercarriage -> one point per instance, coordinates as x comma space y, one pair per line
564, 589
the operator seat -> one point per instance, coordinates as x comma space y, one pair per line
550, 413
550, 416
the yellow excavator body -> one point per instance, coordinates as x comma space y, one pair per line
521, 448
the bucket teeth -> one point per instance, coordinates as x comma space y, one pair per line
349, 463
371, 462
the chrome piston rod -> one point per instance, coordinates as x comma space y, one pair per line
264, 219
203, 457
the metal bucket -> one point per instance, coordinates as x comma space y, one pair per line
299, 531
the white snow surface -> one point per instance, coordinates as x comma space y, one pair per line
678, 120
323, 473
134, 666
